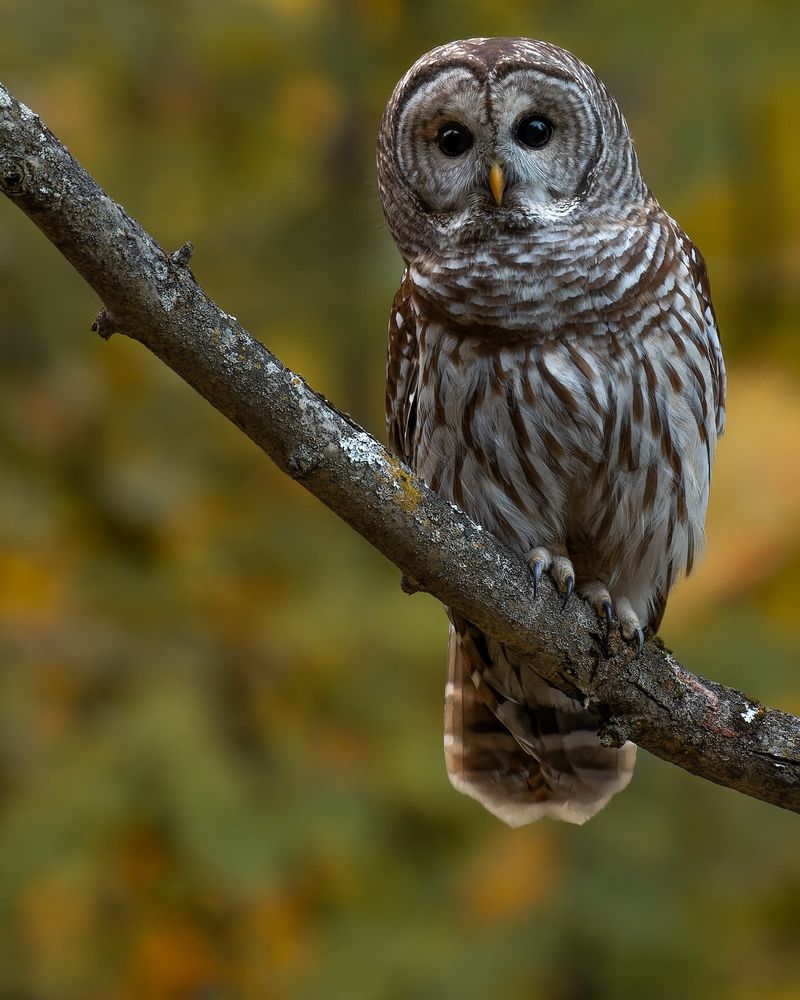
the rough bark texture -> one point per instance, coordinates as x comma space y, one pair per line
152, 296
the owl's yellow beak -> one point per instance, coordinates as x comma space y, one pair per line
497, 182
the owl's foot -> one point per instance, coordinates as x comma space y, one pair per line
598, 596
629, 623
561, 570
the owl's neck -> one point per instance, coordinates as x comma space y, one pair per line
537, 285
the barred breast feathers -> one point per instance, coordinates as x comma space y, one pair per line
599, 415
591, 280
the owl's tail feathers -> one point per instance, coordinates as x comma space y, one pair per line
524, 760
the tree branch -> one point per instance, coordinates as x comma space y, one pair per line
152, 297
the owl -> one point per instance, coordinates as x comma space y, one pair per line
554, 368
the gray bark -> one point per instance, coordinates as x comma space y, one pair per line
152, 297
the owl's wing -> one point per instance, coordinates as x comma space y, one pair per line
402, 372
700, 328
697, 267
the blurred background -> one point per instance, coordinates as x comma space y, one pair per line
221, 770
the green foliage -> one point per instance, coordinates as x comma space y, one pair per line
220, 720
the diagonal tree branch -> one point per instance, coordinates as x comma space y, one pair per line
152, 297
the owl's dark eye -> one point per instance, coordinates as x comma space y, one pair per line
453, 138
534, 131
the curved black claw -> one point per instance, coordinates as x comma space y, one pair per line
637, 637
608, 611
569, 586
537, 568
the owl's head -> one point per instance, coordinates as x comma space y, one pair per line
497, 135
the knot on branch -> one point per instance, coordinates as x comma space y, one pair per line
104, 325
15, 174
301, 462
182, 256
612, 734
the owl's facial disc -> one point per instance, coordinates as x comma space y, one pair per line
506, 150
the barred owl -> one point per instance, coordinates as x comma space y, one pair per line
554, 368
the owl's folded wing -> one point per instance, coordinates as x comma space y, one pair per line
402, 368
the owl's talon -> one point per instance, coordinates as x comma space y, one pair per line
537, 568
541, 560
569, 586
596, 593
540, 555
637, 636
562, 571
630, 627
629, 623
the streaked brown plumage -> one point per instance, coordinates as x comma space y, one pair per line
555, 369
